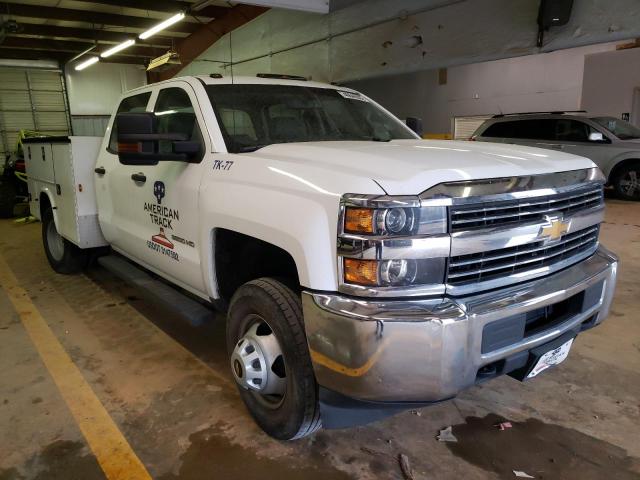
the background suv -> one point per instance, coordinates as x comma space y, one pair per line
613, 144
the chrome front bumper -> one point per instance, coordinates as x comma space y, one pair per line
429, 350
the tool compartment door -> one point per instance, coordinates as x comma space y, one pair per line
64, 190
39, 169
84, 152
77, 213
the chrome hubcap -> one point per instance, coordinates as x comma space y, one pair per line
257, 362
55, 242
630, 183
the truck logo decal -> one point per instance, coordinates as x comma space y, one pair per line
159, 191
222, 164
161, 216
161, 244
184, 241
554, 229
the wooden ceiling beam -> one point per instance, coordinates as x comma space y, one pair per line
167, 6
76, 47
90, 34
62, 57
96, 18
193, 45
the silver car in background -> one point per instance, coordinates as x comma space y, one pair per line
612, 144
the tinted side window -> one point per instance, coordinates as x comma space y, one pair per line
176, 114
572, 131
538, 129
132, 104
500, 130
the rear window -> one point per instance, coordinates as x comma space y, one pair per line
551, 129
527, 129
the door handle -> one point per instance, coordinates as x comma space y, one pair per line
100, 170
139, 177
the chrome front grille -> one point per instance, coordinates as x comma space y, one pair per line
484, 266
493, 214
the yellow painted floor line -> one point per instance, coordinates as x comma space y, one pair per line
114, 454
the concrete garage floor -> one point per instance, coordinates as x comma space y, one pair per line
166, 388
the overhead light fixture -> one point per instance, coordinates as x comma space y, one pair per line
162, 25
87, 63
117, 48
165, 61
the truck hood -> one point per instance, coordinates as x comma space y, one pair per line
408, 167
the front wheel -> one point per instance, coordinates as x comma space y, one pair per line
627, 182
270, 359
63, 256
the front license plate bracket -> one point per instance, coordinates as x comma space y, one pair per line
536, 353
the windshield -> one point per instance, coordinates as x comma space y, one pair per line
621, 129
252, 116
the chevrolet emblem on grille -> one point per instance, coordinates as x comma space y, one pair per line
553, 230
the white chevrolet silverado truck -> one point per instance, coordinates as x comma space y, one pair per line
363, 270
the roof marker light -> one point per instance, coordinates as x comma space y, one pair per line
87, 63
162, 25
117, 48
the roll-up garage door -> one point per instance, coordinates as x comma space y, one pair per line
463, 127
31, 99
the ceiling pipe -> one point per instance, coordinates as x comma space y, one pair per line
92, 47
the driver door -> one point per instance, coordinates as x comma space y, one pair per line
161, 200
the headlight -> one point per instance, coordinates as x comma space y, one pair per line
397, 221
392, 246
393, 273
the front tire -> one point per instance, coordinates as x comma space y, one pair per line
270, 359
627, 182
63, 256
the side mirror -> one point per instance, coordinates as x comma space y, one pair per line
139, 143
415, 124
596, 137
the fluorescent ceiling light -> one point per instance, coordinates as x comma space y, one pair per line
87, 63
162, 25
117, 48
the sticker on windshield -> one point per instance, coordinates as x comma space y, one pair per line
352, 96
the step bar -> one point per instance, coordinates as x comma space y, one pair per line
157, 291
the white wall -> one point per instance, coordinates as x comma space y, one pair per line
95, 90
609, 81
543, 82
382, 37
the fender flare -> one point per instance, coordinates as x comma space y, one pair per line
618, 160
291, 246
46, 192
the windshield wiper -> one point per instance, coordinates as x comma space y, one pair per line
249, 148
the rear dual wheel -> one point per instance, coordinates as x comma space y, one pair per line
63, 256
270, 359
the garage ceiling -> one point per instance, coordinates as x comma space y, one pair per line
61, 29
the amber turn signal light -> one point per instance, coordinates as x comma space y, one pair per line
358, 220
128, 148
361, 272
